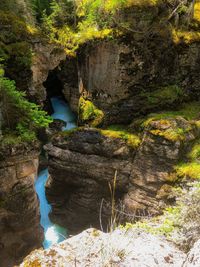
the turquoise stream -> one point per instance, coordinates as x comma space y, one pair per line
53, 233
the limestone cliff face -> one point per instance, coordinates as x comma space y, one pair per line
83, 163
46, 58
81, 167
119, 76
19, 210
67, 73
151, 182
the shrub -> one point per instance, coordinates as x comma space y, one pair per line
20, 115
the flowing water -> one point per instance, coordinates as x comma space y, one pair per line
53, 233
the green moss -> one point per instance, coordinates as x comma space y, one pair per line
166, 122
164, 95
89, 113
189, 111
118, 132
195, 151
68, 133
188, 37
177, 134
197, 12
188, 170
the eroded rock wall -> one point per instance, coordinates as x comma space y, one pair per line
46, 58
120, 75
20, 230
83, 163
81, 167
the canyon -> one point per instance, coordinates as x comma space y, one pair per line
135, 100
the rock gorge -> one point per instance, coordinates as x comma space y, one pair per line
136, 97
19, 210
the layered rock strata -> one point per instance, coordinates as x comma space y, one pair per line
20, 230
83, 163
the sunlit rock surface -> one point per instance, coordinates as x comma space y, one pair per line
118, 249
193, 258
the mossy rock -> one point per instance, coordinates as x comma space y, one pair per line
176, 129
89, 113
194, 154
119, 132
189, 111
164, 95
190, 170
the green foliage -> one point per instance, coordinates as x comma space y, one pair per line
89, 113
189, 170
21, 8
21, 54
99, 12
21, 116
89, 19
15, 43
39, 6
25, 133
14, 29
163, 225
